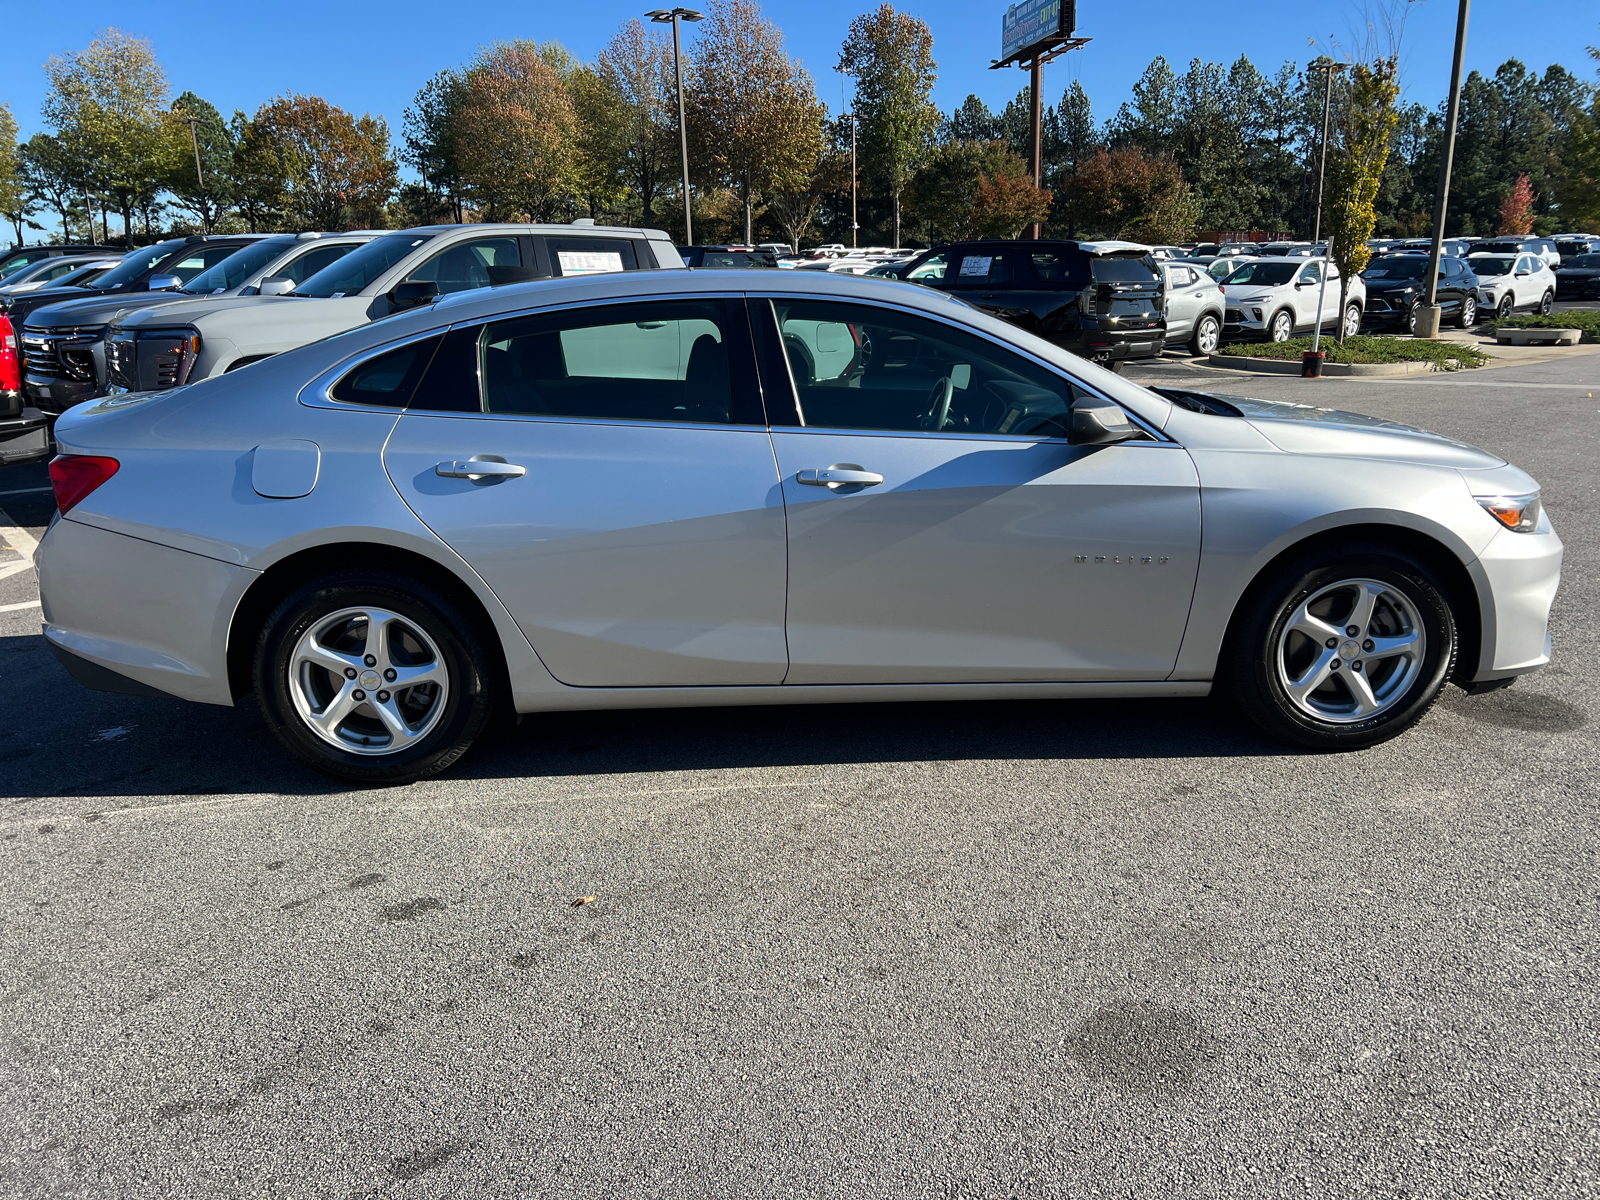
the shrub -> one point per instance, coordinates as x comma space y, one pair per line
1368, 348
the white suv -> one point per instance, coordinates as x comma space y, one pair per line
1272, 299
1507, 282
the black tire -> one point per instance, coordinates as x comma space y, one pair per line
1353, 317
1546, 303
1207, 335
1469, 313
1249, 663
469, 702
1282, 321
1411, 320
1506, 308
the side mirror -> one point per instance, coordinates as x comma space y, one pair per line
276, 285
164, 283
1097, 422
413, 293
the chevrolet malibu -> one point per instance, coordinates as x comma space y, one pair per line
672, 489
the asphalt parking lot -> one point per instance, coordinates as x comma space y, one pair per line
1051, 949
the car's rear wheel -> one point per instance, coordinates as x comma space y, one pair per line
1547, 302
1340, 650
1207, 334
1282, 327
1469, 313
373, 677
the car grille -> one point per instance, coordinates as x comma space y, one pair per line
66, 353
1378, 304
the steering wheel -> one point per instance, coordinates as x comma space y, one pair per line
939, 398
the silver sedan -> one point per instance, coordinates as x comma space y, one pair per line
673, 488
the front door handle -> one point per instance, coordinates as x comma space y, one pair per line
838, 476
480, 466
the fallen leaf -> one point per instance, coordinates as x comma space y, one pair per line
582, 900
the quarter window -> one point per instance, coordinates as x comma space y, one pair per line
861, 367
668, 360
981, 269
931, 270
388, 380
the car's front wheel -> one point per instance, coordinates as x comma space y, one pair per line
1282, 327
1207, 334
373, 677
1506, 308
1352, 320
1340, 650
1469, 313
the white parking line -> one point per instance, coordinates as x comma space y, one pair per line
4, 608
19, 540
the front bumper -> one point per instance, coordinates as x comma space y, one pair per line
54, 395
1519, 576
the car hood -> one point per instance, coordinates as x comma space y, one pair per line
1304, 429
1583, 271
99, 310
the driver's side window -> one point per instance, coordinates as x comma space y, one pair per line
465, 265
859, 367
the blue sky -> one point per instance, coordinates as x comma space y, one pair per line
372, 58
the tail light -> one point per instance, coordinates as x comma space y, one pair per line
10, 368
74, 476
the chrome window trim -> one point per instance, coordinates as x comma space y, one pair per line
1053, 368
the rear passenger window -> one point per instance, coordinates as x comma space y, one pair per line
674, 360
983, 269
388, 380
465, 265
308, 264
590, 256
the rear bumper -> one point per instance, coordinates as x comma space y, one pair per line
146, 613
53, 395
24, 439
1112, 346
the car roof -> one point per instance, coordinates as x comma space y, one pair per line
548, 229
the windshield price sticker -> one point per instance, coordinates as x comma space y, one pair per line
972, 265
589, 262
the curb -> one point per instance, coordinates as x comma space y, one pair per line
1289, 366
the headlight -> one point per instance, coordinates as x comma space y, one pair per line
1519, 514
166, 357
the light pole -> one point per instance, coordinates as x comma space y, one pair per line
1327, 66
1428, 311
199, 177
662, 16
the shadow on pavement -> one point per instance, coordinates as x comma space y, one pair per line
61, 740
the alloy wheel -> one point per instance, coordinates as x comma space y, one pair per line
1208, 336
368, 681
1350, 651
1352, 321
1546, 304
1505, 308
1282, 327
1469, 313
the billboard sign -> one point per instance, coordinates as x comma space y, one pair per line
1034, 22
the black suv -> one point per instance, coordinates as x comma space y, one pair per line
1105, 301
1397, 283
726, 257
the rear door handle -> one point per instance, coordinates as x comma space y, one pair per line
480, 466
835, 476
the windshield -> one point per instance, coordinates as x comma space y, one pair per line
1397, 268
1265, 274
1491, 266
1586, 260
232, 271
360, 267
137, 263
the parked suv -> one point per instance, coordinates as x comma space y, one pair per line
727, 256
49, 272
1272, 299
1544, 248
1507, 282
1195, 306
1579, 277
1397, 283
65, 342
166, 347
1102, 300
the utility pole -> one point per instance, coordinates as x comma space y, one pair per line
855, 227
1036, 133
1327, 66
661, 16
199, 176
1428, 311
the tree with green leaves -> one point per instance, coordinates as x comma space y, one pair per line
1355, 169
975, 189
890, 57
107, 103
972, 122
55, 177
16, 202
641, 143
210, 194
428, 145
516, 133
258, 174
754, 119
1130, 193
